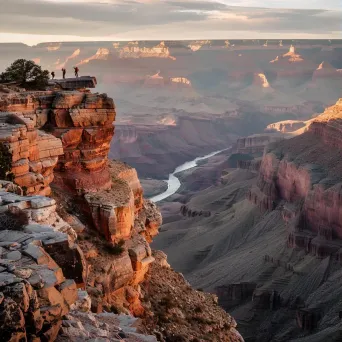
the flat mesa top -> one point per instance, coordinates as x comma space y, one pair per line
75, 82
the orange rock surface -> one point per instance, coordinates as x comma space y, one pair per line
81, 127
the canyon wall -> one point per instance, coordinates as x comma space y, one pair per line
256, 143
304, 173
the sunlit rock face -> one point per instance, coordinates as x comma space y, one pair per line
198, 44
154, 80
80, 130
101, 53
59, 64
84, 123
54, 47
325, 70
178, 82
133, 50
286, 126
34, 153
291, 68
261, 80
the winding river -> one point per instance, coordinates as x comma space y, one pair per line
173, 183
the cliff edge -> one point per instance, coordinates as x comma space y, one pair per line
93, 235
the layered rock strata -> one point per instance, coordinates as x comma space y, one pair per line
286, 126
256, 143
83, 124
82, 128
127, 220
303, 172
34, 153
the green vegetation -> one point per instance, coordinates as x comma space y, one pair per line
26, 74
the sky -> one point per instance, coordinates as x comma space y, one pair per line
35, 21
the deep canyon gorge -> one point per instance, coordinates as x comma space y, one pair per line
242, 243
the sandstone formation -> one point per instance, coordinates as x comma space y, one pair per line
291, 68
59, 65
101, 53
198, 44
172, 82
325, 70
286, 126
134, 51
83, 122
82, 125
260, 80
34, 153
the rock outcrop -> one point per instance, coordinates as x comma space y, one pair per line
34, 153
291, 68
325, 70
36, 291
168, 295
83, 122
132, 50
86, 326
77, 156
286, 126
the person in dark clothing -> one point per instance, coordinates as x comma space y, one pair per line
76, 71
64, 72
53, 74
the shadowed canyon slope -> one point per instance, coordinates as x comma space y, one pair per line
267, 237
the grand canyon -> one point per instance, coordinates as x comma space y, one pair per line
174, 191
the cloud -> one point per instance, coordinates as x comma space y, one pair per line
176, 18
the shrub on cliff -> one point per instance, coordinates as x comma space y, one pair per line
5, 163
116, 248
26, 74
13, 221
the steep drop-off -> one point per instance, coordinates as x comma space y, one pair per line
93, 235
270, 245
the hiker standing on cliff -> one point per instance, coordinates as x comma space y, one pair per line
53, 74
76, 71
64, 72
